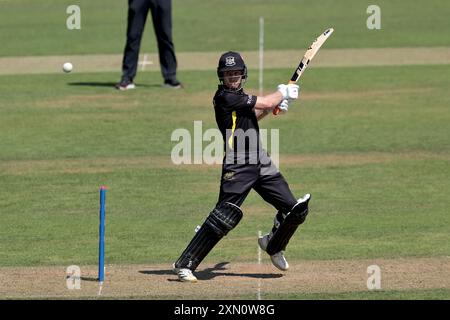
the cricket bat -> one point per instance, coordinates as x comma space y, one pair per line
309, 55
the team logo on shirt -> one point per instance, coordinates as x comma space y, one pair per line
229, 61
228, 175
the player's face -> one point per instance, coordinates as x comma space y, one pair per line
232, 79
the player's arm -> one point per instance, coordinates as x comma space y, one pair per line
265, 104
282, 107
261, 113
269, 101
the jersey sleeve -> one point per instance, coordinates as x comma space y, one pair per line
237, 102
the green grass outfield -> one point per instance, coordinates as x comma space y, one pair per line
395, 206
370, 143
39, 27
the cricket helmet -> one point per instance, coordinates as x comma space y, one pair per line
231, 61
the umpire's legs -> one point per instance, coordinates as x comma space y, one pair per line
137, 16
162, 23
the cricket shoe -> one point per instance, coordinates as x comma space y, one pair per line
184, 274
125, 85
278, 259
173, 84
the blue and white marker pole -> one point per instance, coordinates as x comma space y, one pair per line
101, 241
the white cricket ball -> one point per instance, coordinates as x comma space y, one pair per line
67, 67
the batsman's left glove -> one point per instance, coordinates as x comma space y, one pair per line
289, 91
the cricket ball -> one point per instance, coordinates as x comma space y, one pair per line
67, 67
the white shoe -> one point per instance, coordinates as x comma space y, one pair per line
278, 259
184, 274
125, 85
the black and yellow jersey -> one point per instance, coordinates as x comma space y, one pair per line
236, 119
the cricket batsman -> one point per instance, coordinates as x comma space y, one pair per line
246, 166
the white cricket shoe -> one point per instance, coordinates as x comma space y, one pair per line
278, 259
184, 274
125, 85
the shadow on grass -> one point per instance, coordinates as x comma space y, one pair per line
210, 273
111, 84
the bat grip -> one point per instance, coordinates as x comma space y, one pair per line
277, 110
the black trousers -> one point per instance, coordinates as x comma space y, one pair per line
238, 179
161, 11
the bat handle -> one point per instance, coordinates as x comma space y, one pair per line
277, 110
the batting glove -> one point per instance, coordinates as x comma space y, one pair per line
289, 91
284, 106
